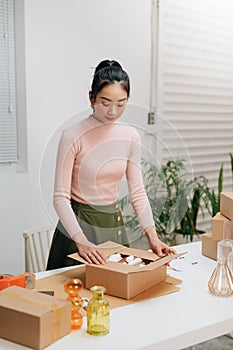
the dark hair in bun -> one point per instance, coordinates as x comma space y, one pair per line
106, 73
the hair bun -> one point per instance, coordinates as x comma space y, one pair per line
108, 64
107, 73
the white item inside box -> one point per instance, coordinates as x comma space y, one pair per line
129, 260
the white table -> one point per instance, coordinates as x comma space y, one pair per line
169, 322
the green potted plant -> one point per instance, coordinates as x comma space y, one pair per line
175, 200
212, 197
195, 201
231, 156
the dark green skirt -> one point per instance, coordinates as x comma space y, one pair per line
100, 223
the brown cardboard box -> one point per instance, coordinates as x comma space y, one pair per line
217, 226
122, 280
31, 318
209, 246
226, 204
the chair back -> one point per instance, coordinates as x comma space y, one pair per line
37, 242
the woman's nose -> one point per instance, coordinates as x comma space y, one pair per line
112, 109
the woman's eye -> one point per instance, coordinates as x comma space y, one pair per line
106, 104
120, 105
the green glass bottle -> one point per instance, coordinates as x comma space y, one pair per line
98, 312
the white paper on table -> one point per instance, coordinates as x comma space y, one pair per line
184, 262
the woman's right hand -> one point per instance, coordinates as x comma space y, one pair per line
90, 253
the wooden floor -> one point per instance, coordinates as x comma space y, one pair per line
224, 342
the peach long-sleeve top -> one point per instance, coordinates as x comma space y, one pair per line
92, 159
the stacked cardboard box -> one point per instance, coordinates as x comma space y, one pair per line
210, 240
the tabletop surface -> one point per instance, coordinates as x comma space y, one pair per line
173, 321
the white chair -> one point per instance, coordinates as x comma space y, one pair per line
37, 242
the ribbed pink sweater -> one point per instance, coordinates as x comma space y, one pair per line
92, 160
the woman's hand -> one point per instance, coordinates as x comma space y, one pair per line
156, 245
161, 248
90, 253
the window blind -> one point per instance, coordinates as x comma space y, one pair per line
196, 83
8, 123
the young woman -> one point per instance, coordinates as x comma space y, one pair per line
93, 156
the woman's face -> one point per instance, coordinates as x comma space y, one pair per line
110, 103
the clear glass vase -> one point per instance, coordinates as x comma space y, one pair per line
220, 282
228, 229
98, 313
230, 262
226, 244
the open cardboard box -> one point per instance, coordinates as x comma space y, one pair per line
31, 318
122, 280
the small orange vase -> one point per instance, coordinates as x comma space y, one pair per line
73, 287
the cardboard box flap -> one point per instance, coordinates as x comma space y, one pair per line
109, 248
127, 269
28, 302
162, 261
110, 245
139, 253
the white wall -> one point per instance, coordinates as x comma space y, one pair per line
64, 38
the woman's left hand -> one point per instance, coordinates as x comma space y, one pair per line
156, 245
160, 248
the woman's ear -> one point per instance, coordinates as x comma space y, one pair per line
91, 99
